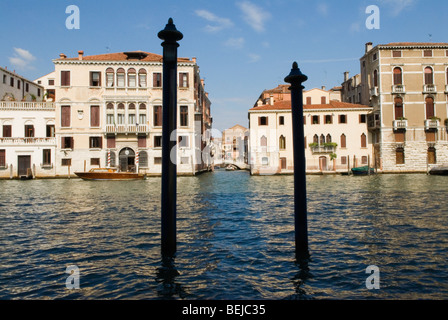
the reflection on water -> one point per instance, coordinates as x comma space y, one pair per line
235, 238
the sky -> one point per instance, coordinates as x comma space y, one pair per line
242, 46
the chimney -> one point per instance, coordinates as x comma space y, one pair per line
324, 88
271, 100
259, 103
80, 54
346, 73
203, 83
194, 59
62, 56
369, 46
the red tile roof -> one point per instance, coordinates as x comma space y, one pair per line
286, 105
121, 56
414, 44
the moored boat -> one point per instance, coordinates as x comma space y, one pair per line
109, 174
439, 171
359, 171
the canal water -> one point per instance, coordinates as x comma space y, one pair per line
235, 238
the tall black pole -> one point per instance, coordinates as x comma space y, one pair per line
296, 78
170, 35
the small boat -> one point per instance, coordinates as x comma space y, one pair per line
362, 171
439, 171
109, 174
230, 168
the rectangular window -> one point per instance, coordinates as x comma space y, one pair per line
283, 163
95, 142
46, 157
67, 143
131, 118
308, 100
38, 92
158, 160
323, 100
18, 84
142, 118
362, 118
51, 82
4, 79
3, 158
120, 79
342, 118
7, 131
65, 78
27, 87
29, 131
262, 121
183, 116
11, 82
142, 80
120, 118
142, 141
343, 160
183, 80
157, 141
109, 79
157, 116
281, 120
94, 116
110, 118
396, 54
427, 53
65, 116
111, 142
95, 79
183, 141
66, 162
94, 161
132, 80
157, 80
364, 160
315, 120
328, 119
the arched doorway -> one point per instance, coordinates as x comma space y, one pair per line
323, 163
127, 160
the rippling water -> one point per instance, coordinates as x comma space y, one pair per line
235, 238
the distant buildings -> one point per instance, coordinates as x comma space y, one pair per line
235, 143
16, 88
407, 86
336, 135
107, 112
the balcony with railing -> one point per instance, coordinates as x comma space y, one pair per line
373, 121
28, 141
323, 148
431, 124
400, 124
429, 88
127, 128
27, 106
374, 92
398, 89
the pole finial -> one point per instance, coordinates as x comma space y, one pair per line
170, 33
295, 65
295, 76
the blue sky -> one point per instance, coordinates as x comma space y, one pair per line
242, 46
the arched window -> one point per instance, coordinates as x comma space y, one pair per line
328, 138
120, 78
363, 141
316, 139
429, 107
282, 142
343, 141
375, 78
429, 79
132, 78
143, 159
322, 139
263, 141
142, 78
398, 76
110, 77
398, 108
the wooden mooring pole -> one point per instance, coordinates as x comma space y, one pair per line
296, 78
170, 35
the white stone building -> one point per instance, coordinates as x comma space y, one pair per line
17, 88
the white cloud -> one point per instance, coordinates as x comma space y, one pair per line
218, 23
22, 59
398, 5
253, 57
322, 8
254, 15
235, 43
